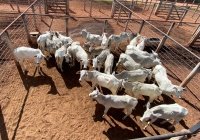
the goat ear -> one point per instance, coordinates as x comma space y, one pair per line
157, 115
78, 72
97, 89
148, 106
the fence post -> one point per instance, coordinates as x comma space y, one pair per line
129, 17
29, 2
26, 28
8, 40
119, 14
18, 6
170, 11
185, 12
190, 76
162, 42
67, 24
104, 26
141, 26
84, 4
33, 11
113, 8
39, 5
195, 10
152, 10
91, 8
67, 7
157, 8
144, 6
45, 7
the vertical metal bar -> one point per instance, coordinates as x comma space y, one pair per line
190, 76
91, 8
104, 26
29, 2
84, 4
144, 6
149, 5
33, 11
158, 6
40, 11
17, 1
26, 28
113, 8
8, 41
196, 10
45, 7
141, 26
197, 18
162, 42
99, 6
170, 11
119, 14
67, 7
184, 14
129, 17
67, 24
152, 10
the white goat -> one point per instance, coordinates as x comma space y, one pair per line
94, 51
165, 84
26, 53
60, 55
76, 52
115, 101
139, 75
98, 62
167, 112
109, 64
104, 42
93, 38
128, 62
41, 40
103, 80
64, 39
137, 88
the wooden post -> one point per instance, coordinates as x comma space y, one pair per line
162, 42
67, 7
152, 10
141, 26
113, 8
129, 17
40, 11
67, 24
91, 8
18, 6
104, 26
191, 75
185, 12
26, 28
33, 11
84, 4
119, 14
170, 11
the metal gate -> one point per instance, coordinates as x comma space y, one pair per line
56, 6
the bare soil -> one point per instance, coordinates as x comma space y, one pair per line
54, 105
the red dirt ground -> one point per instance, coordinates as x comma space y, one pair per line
55, 105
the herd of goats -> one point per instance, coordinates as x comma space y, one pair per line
139, 67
